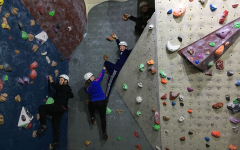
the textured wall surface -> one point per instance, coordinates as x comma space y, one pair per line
197, 22
69, 13
13, 137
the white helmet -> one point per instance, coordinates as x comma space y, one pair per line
64, 76
143, 3
123, 43
87, 75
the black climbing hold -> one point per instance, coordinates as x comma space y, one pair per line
229, 73
190, 133
207, 145
180, 39
61, 58
227, 97
181, 104
58, 25
23, 118
7, 68
20, 25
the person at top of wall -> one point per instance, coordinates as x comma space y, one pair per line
94, 89
114, 69
56, 109
142, 21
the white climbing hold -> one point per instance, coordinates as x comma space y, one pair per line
43, 54
151, 26
235, 128
140, 85
69, 28
231, 105
158, 148
25, 118
171, 47
180, 97
42, 36
138, 99
48, 60
166, 131
181, 119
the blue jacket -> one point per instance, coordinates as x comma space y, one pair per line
122, 56
95, 90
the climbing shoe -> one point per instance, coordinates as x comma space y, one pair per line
53, 145
105, 136
41, 129
93, 120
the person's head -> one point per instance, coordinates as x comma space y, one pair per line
143, 6
89, 78
65, 79
122, 46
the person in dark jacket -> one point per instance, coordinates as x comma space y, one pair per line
114, 69
57, 109
142, 21
94, 89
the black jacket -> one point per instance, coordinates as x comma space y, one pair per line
144, 17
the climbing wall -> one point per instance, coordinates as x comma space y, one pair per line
197, 22
131, 75
33, 94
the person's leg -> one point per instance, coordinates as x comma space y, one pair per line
139, 27
109, 66
110, 82
56, 120
91, 109
102, 105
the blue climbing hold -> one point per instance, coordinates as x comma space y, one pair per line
168, 78
237, 83
169, 11
207, 139
196, 62
212, 7
173, 103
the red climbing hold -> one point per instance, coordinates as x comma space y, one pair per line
136, 134
164, 103
29, 126
173, 96
164, 96
209, 73
182, 138
139, 147
234, 5
40, 9
1, 85
34, 65
219, 64
33, 74
217, 105
223, 17
167, 148
156, 117
10, 37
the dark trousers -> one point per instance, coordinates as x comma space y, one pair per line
101, 106
56, 111
139, 26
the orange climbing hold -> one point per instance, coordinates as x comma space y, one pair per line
163, 81
118, 111
1, 85
87, 143
33, 74
110, 38
190, 111
139, 147
179, 11
226, 44
231, 147
216, 134
219, 51
150, 62
34, 65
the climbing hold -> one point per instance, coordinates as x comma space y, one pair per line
190, 111
34, 65
18, 98
138, 113
125, 87
209, 73
164, 103
3, 97
30, 37
200, 56
235, 5
108, 111
34, 48
207, 52
182, 138
190, 133
5, 24
14, 11
32, 23
181, 118
236, 24
87, 143
231, 147
167, 148
68, 58
58, 25
168, 78
153, 70
69, 28
173, 104
20, 81
7, 68
223, 33
189, 89
163, 74
158, 148
150, 62
226, 44
154, 109
20, 25
217, 105
181, 104
55, 30
229, 73
138, 99
125, 17
169, 11
156, 117
207, 145
118, 111
219, 51
1, 84
212, 124
166, 118
9, 37
237, 83
136, 134
156, 127
138, 146
52, 13
202, 1
1, 67
180, 39
207, 139
179, 11
227, 97
31, 82
190, 50
54, 64
17, 51
33, 74
141, 67
173, 96
1, 119
6, 78
216, 133
40, 9
212, 44
42, 37
234, 120
235, 128
151, 26
210, 64
235, 101
223, 17
140, 85
196, 61
163, 81
24, 35
172, 48
48, 60
23, 118
26, 80
56, 72
105, 57
6, 15
212, 7
43, 54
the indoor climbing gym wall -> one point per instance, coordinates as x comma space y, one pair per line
27, 56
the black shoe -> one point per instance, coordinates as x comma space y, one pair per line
41, 129
105, 136
93, 120
54, 145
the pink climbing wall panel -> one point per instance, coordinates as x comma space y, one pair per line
70, 13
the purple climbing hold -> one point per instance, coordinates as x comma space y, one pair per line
189, 89
47, 78
26, 80
234, 120
55, 30
196, 62
200, 56
222, 33
20, 81
68, 57
40, 41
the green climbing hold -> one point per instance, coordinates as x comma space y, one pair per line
156, 127
138, 113
6, 78
210, 64
52, 13
24, 126
212, 44
108, 111
236, 24
125, 87
163, 74
119, 139
24, 35
141, 67
235, 101
50, 100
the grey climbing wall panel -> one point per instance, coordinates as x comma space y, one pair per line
103, 20
197, 22
130, 74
